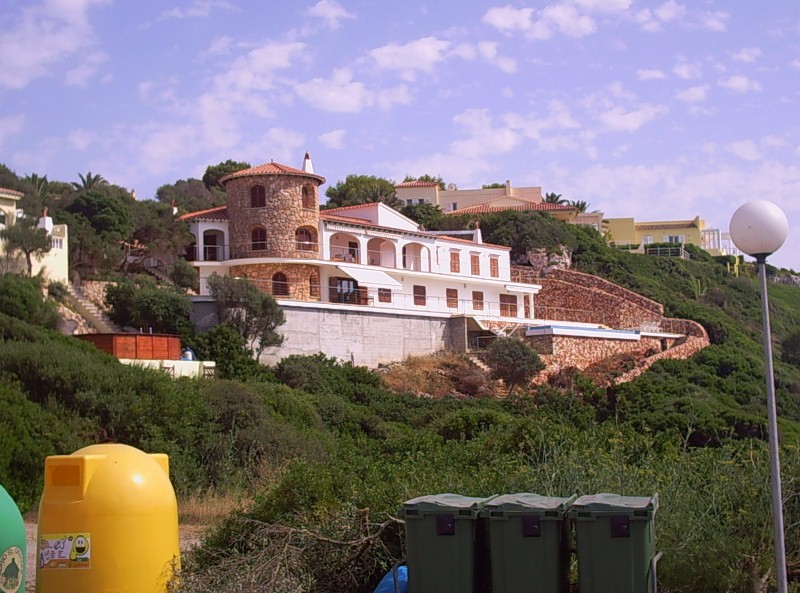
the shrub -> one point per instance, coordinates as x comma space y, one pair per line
513, 361
22, 297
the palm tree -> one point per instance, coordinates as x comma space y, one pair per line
579, 205
40, 184
89, 181
553, 198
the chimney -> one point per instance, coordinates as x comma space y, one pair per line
45, 222
308, 166
174, 208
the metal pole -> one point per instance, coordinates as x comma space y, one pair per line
772, 418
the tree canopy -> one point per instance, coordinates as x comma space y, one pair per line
24, 237
426, 177
216, 172
254, 314
140, 303
429, 216
362, 189
513, 361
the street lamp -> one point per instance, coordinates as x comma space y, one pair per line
759, 228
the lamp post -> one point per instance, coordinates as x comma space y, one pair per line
759, 228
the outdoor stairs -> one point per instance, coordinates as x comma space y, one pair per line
475, 358
151, 266
90, 312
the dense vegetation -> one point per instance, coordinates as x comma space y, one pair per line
329, 453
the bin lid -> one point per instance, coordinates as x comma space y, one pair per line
440, 503
527, 502
614, 504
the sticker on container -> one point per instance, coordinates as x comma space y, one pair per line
65, 550
11, 570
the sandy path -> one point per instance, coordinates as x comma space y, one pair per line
191, 536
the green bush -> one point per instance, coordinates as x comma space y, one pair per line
22, 298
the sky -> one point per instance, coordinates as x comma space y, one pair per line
657, 110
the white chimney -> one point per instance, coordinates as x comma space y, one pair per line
308, 166
45, 222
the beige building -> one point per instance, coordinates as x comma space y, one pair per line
452, 198
55, 264
626, 231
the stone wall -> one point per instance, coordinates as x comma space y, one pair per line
95, 292
301, 279
560, 352
573, 296
691, 346
281, 217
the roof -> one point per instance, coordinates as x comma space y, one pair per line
537, 206
668, 226
210, 214
13, 192
353, 207
271, 168
418, 183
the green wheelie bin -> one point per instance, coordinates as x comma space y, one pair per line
530, 543
616, 543
13, 546
446, 549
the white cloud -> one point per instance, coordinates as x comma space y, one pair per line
670, 11
482, 137
509, 19
420, 54
221, 46
338, 94
687, 71
198, 9
620, 119
739, 83
45, 35
568, 20
653, 74
331, 12
714, 21
488, 51
747, 54
80, 75
745, 149
604, 5
10, 126
693, 94
333, 139
796, 64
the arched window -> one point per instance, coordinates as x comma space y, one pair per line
308, 199
258, 197
304, 240
280, 285
258, 239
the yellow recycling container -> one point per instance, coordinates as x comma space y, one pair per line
108, 522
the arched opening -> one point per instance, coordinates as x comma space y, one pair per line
416, 257
381, 252
258, 239
345, 247
305, 239
309, 203
258, 197
280, 284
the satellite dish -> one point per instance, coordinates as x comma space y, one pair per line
452, 187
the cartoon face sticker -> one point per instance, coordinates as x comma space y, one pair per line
80, 549
11, 570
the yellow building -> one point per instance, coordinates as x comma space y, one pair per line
626, 231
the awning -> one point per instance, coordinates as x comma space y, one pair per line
523, 288
370, 278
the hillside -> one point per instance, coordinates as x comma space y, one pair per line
328, 452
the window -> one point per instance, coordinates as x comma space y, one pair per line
648, 239
304, 240
419, 296
409, 202
452, 206
526, 304
2, 217
308, 199
452, 298
674, 239
494, 267
477, 300
508, 305
475, 264
346, 290
455, 262
420, 200
280, 285
384, 295
258, 197
313, 285
258, 239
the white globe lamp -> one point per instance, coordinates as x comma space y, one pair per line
759, 228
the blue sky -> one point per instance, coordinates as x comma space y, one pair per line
651, 109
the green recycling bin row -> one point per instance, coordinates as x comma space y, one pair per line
520, 543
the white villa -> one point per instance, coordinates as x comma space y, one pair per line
364, 282
54, 264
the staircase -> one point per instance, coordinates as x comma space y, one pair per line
90, 312
475, 358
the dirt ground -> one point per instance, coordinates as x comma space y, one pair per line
190, 536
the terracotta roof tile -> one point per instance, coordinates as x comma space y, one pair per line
272, 168
417, 183
353, 207
218, 213
5, 190
671, 226
536, 206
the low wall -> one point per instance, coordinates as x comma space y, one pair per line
560, 352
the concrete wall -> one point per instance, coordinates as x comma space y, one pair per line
366, 338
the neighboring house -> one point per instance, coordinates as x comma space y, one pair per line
562, 212
54, 264
361, 282
419, 192
627, 231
